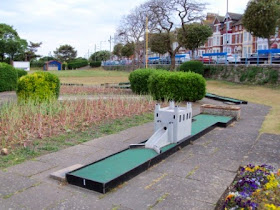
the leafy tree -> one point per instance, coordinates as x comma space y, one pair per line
65, 53
7, 33
160, 43
102, 55
118, 49
261, 18
128, 50
32, 49
194, 35
15, 46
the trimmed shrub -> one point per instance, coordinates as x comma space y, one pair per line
64, 66
177, 86
78, 63
38, 87
139, 80
21, 73
95, 64
194, 66
8, 77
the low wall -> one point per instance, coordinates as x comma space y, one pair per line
130, 68
252, 74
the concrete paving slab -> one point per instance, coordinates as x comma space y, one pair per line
186, 189
40, 197
81, 150
30, 168
171, 202
12, 183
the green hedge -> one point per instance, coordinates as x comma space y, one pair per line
139, 80
38, 87
177, 86
21, 73
95, 64
8, 77
194, 66
77, 64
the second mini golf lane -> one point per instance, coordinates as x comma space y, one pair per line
118, 164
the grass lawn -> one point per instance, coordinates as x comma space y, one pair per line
91, 77
255, 94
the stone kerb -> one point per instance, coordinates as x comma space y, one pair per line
233, 111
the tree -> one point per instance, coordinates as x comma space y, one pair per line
102, 55
128, 50
65, 53
31, 50
194, 35
132, 28
15, 46
169, 14
7, 35
118, 49
160, 43
261, 18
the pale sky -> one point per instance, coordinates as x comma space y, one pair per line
80, 23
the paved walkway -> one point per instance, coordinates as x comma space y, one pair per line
193, 178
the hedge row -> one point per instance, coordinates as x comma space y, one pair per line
38, 87
21, 73
193, 66
9, 76
95, 64
164, 85
77, 64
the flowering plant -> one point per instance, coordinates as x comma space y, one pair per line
257, 187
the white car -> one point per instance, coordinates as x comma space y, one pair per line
230, 59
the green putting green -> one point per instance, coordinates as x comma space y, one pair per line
224, 98
116, 165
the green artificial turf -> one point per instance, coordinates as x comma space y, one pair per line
116, 165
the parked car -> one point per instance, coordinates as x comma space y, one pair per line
230, 59
205, 60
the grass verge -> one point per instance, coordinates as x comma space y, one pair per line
53, 144
90, 77
265, 95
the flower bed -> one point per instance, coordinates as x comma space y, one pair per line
80, 90
255, 187
21, 124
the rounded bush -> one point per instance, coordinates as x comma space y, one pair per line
194, 66
139, 80
21, 73
8, 77
177, 86
38, 87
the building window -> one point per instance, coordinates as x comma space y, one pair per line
245, 37
240, 38
217, 28
240, 27
249, 50
236, 28
249, 37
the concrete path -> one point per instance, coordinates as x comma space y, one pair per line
193, 178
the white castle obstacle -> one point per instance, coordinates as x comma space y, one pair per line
172, 124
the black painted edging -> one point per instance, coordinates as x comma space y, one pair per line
106, 187
218, 98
